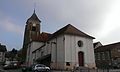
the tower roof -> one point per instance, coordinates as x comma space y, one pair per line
33, 17
69, 29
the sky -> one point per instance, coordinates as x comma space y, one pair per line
97, 18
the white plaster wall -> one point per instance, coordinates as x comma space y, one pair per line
64, 49
45, 49
36, 45
53, 50
31, 47
72, 49
37, 54
28, 54
34, 55
48, 48
58, 52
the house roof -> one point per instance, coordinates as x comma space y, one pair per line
34, 17
94, 44
108, 47
69, 29
3, 48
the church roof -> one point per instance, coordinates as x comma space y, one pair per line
34, 17
43, 37
69, 29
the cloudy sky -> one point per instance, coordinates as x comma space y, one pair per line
98, 18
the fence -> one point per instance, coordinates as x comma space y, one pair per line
88, 70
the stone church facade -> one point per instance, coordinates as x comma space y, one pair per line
65, 49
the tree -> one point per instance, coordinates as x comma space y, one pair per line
14, 51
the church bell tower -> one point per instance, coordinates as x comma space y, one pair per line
32, 29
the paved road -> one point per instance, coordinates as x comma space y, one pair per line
16, 70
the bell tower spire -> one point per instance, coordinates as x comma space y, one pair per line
34, 10
32, 30
33, 26
34, 7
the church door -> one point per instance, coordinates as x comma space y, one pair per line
81, 58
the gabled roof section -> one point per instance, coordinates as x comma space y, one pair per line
96, 43
69, 29
34, 17
107, 47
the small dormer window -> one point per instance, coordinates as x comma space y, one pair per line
33, 28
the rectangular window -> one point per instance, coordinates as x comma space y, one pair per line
42, 53
98, 58
118, 49
103, 56
67, 63
108, 55
0, 53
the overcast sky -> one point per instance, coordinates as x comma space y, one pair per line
98, 18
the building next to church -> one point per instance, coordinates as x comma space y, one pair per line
2, 53
108, 56
97, 44
64, 49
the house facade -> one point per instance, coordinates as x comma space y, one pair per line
2, 53
67, 48
108, 56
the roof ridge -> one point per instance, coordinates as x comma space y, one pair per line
112, 44
70, 29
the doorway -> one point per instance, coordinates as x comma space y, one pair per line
81, 58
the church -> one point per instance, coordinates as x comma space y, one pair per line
66, 48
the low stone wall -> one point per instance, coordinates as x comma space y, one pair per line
89, 70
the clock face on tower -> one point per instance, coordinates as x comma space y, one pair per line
34, 24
